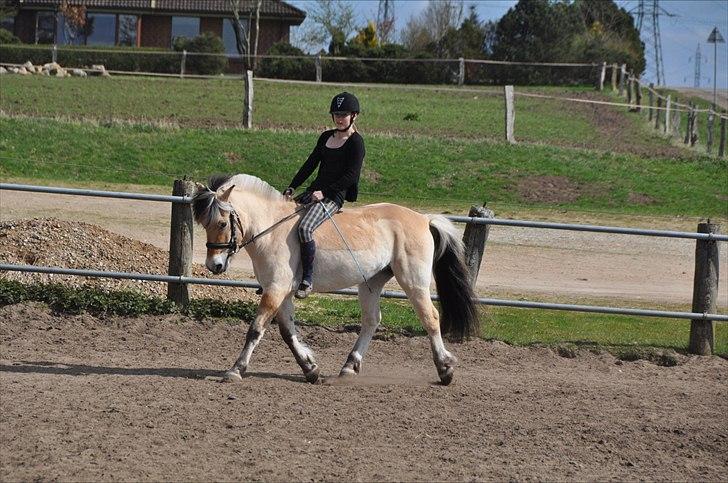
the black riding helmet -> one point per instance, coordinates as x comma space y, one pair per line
344, 102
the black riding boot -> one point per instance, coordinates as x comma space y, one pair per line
308, 253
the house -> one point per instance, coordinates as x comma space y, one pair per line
148, 23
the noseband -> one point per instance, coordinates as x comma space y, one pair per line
232, 245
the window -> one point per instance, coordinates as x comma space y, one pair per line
128, 30
8, 23
228, 35
100, 29
185, 27
69, 34
45, 28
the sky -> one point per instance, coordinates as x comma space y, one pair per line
680, 34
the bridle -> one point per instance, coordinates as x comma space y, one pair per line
232, 245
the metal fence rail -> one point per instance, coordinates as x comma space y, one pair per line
395, 294
455, 218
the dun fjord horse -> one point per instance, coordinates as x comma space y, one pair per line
387, 240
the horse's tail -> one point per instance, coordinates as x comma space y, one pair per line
459, 315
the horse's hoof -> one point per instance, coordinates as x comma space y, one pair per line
312, 376
447, 375
347, 372
232, 376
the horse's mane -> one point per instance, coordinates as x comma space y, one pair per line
206, 206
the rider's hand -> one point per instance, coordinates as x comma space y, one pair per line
317, 196
288, 192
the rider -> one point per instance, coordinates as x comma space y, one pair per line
339, 154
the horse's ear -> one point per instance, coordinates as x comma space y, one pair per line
199, 187
226, 194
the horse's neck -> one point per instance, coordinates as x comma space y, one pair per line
261, 214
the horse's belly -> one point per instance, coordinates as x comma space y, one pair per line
336, 269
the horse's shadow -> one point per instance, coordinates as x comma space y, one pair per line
64, 369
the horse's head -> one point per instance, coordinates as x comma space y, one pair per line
213, 210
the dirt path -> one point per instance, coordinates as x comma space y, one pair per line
89, 399
536, 264
707, 94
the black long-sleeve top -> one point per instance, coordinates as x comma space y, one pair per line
339, 168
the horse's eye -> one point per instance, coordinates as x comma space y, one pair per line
222, 224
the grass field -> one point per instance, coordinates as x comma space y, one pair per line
448, 156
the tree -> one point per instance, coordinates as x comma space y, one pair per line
249, 54
432, 24
467, 41
76, 26
366, 37
331, 21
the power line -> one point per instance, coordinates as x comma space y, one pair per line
648, 24
697, 68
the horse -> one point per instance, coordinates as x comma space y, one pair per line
366, 246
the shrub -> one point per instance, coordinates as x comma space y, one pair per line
203, 64
7, 37
297, 69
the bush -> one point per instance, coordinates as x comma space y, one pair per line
7, 37
127, 59
297, 69
208, 43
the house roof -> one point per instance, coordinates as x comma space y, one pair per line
268, 8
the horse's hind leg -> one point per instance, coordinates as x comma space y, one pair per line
269, 304
303, 354
428, 315
371, 316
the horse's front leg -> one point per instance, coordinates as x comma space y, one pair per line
270, 302
303, 354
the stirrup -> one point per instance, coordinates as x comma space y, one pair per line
304, 288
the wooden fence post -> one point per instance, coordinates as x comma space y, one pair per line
651, 95
721, 146
668, 105
248, 100
602, 76
688, 129
622, 79
694, 127
182, 65
474, 239
676, 121
614, 77
54, 55
630, 87
638, 95
317, 63
709, 141
461, 72
705, 291
180, 243
657, 112
510, 114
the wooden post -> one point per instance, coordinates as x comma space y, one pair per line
461, 73
721, 146
317, 63
182, 65
622, 79
248, 102
614, 77
709, 141
474, 239
638, 95
651, 95
657, 112
180, 243
694, 127
54, 55
630, 87
510, 114
705, 291
668, 105
688, 129
602, 75
676, 121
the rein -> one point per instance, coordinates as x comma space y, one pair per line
232, 245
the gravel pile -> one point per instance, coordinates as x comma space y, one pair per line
58, 243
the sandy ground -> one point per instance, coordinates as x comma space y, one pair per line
537, 264
88, 399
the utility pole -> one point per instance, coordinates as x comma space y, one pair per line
697, 68
385, 20
650, 11
715, 38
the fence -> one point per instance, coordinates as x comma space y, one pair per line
478, 223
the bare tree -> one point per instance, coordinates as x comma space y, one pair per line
432, 24
248, 52
329, 19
